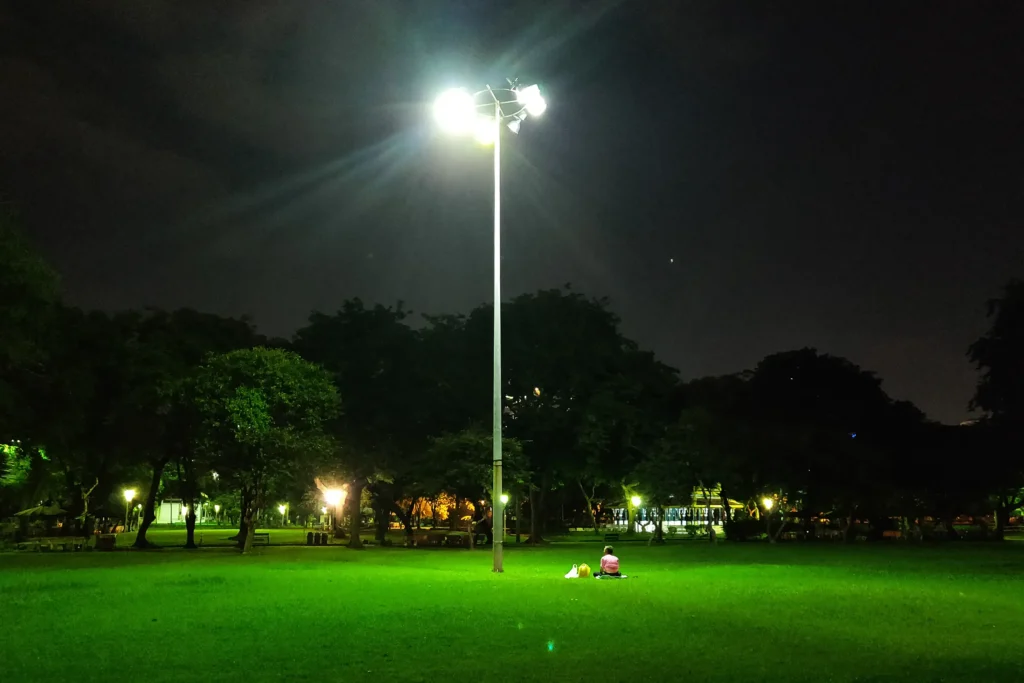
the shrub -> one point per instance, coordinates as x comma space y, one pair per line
744, 529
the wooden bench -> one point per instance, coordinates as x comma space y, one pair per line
106, 541
261, 537
611, 538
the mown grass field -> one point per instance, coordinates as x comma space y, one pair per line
691, 612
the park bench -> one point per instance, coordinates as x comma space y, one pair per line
611, 538
106, 541
261, 537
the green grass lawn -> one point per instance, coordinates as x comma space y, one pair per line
692, 612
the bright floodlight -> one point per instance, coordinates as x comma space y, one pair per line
455, 111
531, 98
129, 495
768, 502
216, 508
635, 500
514, 125
281, 509
333, 497
504, 498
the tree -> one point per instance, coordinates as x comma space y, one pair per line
166, 348
261, 412
1000, 393
461, 464
29, 295
29, 302
579, 396
373, 356
820, 423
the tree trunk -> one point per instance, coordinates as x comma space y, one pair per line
707, 510
190, 525
355, 494
1002, 518
519, 517
453, 516
244, 521
383, 517
726, 510
630, 514
951, 533
847, 527
659, 533
149, 508
590, 506
533, 516
248, 524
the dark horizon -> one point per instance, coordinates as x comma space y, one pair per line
738, 179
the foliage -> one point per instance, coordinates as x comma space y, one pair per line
260, 412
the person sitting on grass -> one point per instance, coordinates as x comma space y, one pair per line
609, 563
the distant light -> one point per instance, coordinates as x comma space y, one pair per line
635, 500
483, 130
215, 476
768, 503
281, 509
531, 98
216, 508
853, 435
536, 391
455, 112
129, 495
333, 497
551, 646
323, 510
504, 498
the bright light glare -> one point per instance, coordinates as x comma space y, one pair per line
129, 495
768, 502
216, 508
281, 509
504, 498
635, 500
455, 112
531, 98
483, 130
332, 497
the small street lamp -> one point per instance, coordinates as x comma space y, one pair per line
333, 498
129, 496
504, 513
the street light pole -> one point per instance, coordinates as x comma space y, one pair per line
499, 507
460, 112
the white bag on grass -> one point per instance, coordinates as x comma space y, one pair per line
573, 573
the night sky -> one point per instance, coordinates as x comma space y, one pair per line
740, 178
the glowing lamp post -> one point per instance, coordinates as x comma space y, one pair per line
482, 115
768, 503
129, 496
333, 498
282, 509
504, 501
631, 512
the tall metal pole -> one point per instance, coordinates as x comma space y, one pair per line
498, 509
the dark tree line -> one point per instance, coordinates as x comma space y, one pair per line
398, 408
